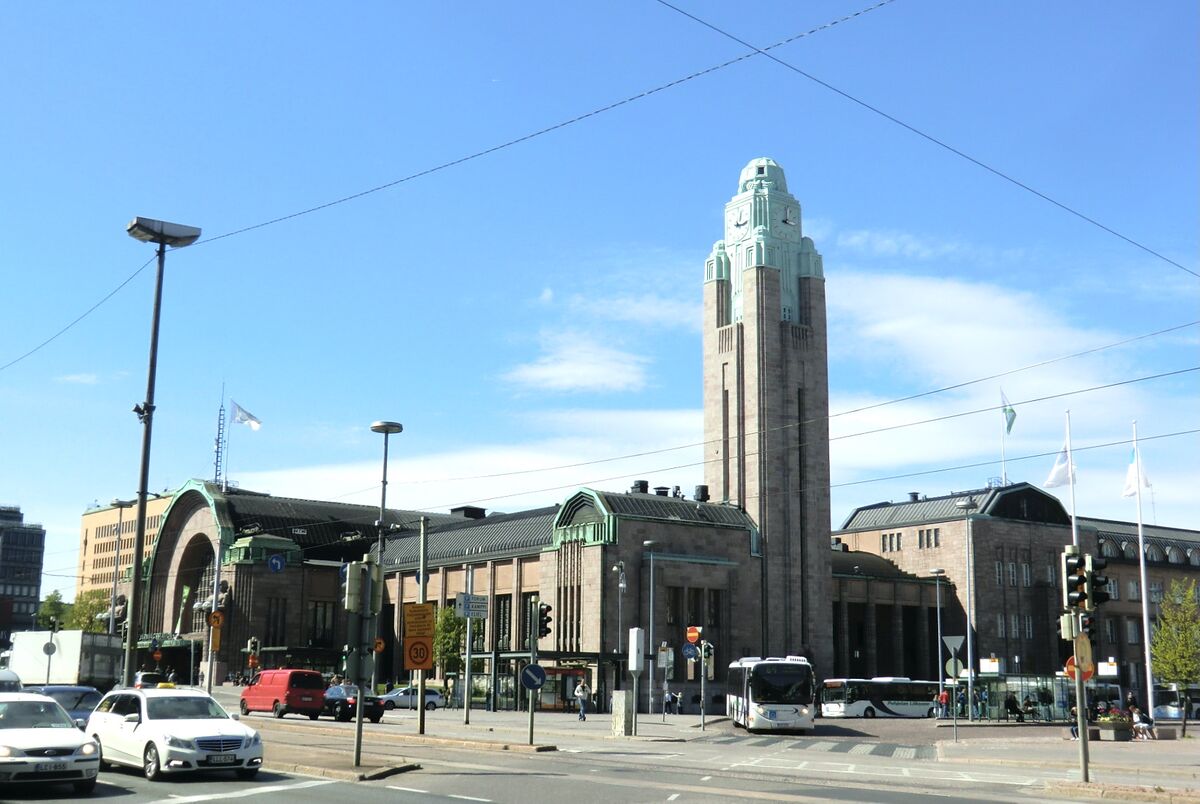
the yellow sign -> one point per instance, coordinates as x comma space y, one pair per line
216, 619
418, 653
418, 620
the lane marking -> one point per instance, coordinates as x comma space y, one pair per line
407, 789
467, 798
256, 791
672, 797
705, 778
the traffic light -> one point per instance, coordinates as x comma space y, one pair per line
1068, 627
707, 649
543, 620
1074, 580
54, 626
354, 584
252, 645
1087, 625
1096, 587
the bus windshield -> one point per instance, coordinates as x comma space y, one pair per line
834, 693
781, 684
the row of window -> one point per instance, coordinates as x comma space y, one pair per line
1172, 554
1026, 573
926, 537
1014, 626
18, 590
703, 607
21, 538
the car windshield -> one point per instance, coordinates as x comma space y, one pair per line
781, 683
349, 689
75, 699
183, 708
305, 681
33, 715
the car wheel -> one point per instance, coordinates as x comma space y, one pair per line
341, 713
377, 718
86, 786
278, 710
246, 773
242, 706
313, 715
100, 750
150, 763
430, 706
868, 712
389, 705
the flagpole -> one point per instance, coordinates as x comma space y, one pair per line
1071, 480
1137, 459
1003, 439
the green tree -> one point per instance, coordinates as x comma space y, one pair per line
449, 640
1175, 648
84, 610
53, 607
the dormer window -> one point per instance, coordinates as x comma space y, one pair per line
762, 170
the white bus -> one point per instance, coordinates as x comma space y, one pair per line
771, 694
886, 696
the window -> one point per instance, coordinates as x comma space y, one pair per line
1016, 626
713, 620
675, 613
1174, 555
920, 539
526, 617
1000, 625
1154, 553
1012, 573
1135, 592
999, 573
503, 622
899, 541
1108, 549
883, 543
937, 537
320, 624
1129, 551
696, 611
1110, 631
1026, 574
1156, 591
1114, 590
1132, 632
275, 632
1051, 575
1029, 626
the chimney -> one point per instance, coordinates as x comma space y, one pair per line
469, 512
914, 496
701, 494
662, 491
640, 487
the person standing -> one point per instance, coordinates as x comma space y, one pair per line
943, 700
582, 692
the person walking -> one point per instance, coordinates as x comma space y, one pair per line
943, 700
581, 697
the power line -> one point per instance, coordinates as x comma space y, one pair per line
930, 138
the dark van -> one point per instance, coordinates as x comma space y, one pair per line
282, 691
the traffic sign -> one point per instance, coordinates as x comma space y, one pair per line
276, 563
693, 634
418, 620
379, 644
418, 653
953, 643
49, 648
533, 677
1083, 652
1087, 671
157, 655
474, 606
690, 651
953, 668
215, 619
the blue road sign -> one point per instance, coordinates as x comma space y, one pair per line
533, 677
276, 563
690, 651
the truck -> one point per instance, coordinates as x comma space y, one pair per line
66, 657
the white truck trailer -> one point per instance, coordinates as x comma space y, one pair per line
66, 657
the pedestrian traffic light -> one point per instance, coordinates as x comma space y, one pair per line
252, 645
54, 625
707, 649
1096, 587
1073, 579
1087, 625
543, 620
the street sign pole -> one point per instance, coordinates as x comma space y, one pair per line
466, 692
703, 679
1081, 710
533, 625
423, 547
354, 638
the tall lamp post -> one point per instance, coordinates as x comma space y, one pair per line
120, 505
388, 429
619, 568
967, 506
937, 573
163, 234
648, 543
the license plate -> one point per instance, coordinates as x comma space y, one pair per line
48, 767
306, 698
221, 759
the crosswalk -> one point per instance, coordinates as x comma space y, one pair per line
850, 747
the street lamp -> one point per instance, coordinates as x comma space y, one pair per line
164, 234
120, 505
937, 573
619, 568
653, 651
967, 506
388, 429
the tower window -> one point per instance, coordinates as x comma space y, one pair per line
762, 171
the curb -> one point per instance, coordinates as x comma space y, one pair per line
1114, 792
341, 775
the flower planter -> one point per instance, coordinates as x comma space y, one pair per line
1117, 734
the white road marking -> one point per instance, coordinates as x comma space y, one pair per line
467, 798
924, 772
672, 797
407, 789
255, 791
705, 778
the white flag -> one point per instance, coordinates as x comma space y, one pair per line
1010, 415
1131, 476
1060, 475
243, 416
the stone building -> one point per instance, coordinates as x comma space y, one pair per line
22, 548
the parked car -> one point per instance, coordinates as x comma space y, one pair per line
9, 681
407, 697
78, 700
40, 743
340, 700
167, 731
282, 691
148, 679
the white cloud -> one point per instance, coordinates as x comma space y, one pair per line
572, 362
647, 310
546, 296
79, 379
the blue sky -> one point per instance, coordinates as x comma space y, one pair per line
532, 315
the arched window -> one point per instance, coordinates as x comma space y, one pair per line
1154, 553
1194, 557
1129, 550
1174, 555
1108, 548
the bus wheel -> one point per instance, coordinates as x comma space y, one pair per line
930, 712
869, 712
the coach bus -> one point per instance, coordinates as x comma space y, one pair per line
878, 697
776, 694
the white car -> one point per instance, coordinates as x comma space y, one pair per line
172, 730
40, 743
407, 697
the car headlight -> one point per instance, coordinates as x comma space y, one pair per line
254, 739
5, 751
87, 749
176, 742
804, 710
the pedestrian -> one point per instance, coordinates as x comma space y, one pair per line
1074, 724
983, 704
1143, 726
1131, 701
581, 697
943, 700
171, 676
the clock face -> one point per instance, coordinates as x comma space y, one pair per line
785, 222
737, 224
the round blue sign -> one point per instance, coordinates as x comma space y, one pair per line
533, 677
690, 651
276, 563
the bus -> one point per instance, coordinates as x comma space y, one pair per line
775, 694
885, 696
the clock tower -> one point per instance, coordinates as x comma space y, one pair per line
766, 408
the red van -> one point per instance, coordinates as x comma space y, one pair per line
282, 691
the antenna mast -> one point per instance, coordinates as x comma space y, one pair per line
219, 446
